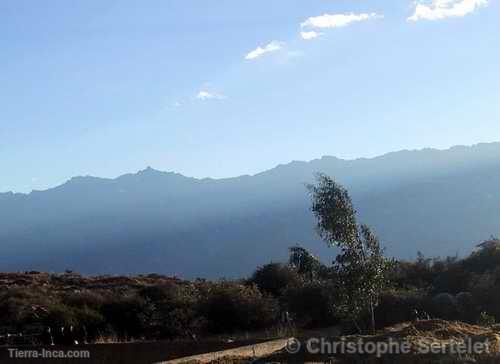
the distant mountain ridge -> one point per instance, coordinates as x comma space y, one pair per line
441, 202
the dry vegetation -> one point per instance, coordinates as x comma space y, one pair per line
145, 307
418, 334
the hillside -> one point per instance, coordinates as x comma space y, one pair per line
438, 202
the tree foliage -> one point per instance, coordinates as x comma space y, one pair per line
360, 267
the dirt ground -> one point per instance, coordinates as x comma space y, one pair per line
427, 341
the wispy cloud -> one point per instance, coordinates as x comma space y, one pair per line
209, 95
441, 9
310, 35
260, 51
336, 20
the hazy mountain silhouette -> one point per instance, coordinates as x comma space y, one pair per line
439, 202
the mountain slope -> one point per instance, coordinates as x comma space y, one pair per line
439, 202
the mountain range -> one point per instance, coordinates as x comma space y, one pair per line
439, 202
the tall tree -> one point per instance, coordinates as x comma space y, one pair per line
360, 265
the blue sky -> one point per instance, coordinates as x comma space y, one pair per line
227, 87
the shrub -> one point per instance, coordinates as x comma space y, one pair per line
230, 307
175, 312
399, 305
60, 315
90, 321
483, 260
18, 306
467, 306
453, 280
84, 299
485, 319
445, 306
312, 304
159, 292
127, 316
274, 278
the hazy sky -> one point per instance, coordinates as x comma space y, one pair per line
227, 87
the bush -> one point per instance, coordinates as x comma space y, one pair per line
90, 321
398, 306
467, 306
274, 278
312, 304
60, 315
158, 292
230, 307
127, 316
84, 298
445, 306
485, 319
483, 260
18, 306
175, 312
454, 280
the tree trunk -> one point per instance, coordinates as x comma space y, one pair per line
372, 311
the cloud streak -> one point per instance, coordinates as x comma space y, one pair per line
328, 21
441, 9
274, 46
207, 95
310, 35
